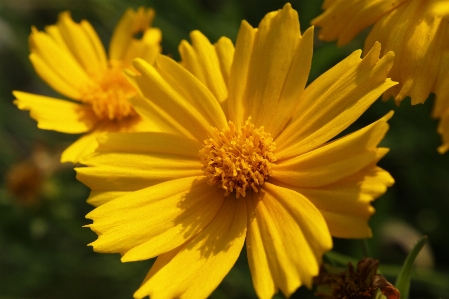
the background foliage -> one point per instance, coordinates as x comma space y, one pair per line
43, 252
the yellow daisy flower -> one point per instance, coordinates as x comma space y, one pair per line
415, 30
249, 159
70, 58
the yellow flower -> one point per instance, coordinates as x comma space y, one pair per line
71, 59
415, 30
249, 158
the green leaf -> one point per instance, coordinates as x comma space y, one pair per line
403, 280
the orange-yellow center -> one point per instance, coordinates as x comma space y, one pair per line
108, 95
238, 159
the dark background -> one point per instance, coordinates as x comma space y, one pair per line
43, 247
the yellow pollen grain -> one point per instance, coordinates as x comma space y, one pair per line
108, 95
238, 159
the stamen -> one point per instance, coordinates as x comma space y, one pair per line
238, 158
108, 95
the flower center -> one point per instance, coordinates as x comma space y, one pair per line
108, 95
238, 158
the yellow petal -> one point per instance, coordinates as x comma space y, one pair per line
56, 65
147, 109
239, 72
147, 48
440, 8
132, 161
337, 26
335, 160
125, 47
154, 220
278, 36
417, 41
295, 81
56, 114
225, 52
422, 57
201, 60
195, 269
345, 204
286, 239
157, 119
180, 95
147, 120
96, 44
98, 198
85, 145
131, 172
441, 104
149, 143
84, 44
443, 129
192, 90
334, 101
347, 226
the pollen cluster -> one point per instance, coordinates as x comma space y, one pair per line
238, 159
108, 95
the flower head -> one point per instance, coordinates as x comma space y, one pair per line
362, 282
70, 58
246, 156
415, 30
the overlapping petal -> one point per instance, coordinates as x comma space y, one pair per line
286, 238
133, 161
418, 40
124, 46
202, 60
272, 86
56, 66
335, 160
191, 106
334, 101
337, 26
418, 46
83, 146
88, 143
239, 72
84, 45
225, 52
155, 220
196, 268
345, 204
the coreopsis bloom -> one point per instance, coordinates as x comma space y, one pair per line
70, 58
247, 156
415, 30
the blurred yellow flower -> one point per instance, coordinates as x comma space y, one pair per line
70, 58
249, 158
415, 30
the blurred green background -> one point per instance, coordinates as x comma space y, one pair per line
43, 247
